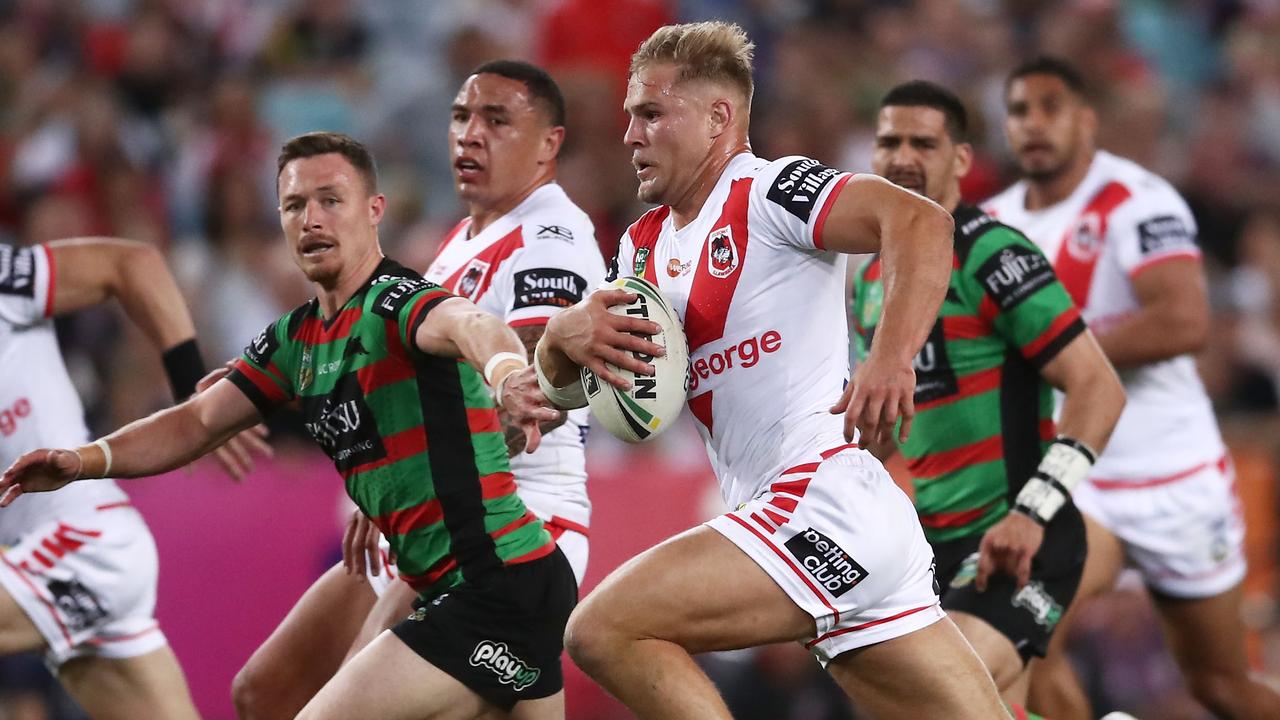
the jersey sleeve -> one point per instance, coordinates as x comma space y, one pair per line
792, 197
407, 301
1017, 290
264, 373
1150, 228
554, 270
624, 261
27, 279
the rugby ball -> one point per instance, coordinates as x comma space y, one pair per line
653, 402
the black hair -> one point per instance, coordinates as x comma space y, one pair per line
922, 93
1050, 65
323, 143
542, 88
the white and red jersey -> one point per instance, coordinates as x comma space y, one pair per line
38, 404
1121, 220
526, 266
763, 310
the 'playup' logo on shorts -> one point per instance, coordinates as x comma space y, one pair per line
510, 669
830, 565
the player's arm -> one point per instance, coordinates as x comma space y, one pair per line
914, 238
1172, 317
91, 270
455, 327
164, 441
529, 336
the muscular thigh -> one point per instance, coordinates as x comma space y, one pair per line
700, 591
17, 632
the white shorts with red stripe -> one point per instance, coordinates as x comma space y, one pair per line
571, 537
88, 582
1184, 532
845, 544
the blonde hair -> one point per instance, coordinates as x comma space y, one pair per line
716, 51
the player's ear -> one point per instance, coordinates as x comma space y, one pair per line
551, 143
377, 208
723, 113
963, 161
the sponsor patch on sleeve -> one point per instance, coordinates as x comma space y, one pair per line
1014, 274
1160, 234
17, 271
548, 286
392, 300
261, 348
797, 187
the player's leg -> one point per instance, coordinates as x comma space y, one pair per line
1055, 689
393, 604
148, 685
996, 652
1206, 637
17, 632
548, 708
305, 650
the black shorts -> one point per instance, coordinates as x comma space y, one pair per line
1028, 616
500, 635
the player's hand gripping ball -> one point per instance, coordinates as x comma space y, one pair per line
654, 401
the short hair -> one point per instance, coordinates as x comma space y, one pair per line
542, 88
716, 50
1050, 65
922, 93
323, 143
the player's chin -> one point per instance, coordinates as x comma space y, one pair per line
649, 192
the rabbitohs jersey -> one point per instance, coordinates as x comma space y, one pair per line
415, 436
39, 406
1120, 221
984, 416
524, 267
762, 303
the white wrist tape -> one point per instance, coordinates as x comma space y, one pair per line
569, 397
1064, 466
497, 360
106, 454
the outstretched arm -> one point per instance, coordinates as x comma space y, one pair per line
161, 442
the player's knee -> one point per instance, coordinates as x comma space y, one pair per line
589, 638
249, 695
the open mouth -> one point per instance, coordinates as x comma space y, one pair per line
315, 247
467, 168
644, 170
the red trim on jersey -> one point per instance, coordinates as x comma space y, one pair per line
821, 222
791, 487
565, 524
57, 551
387, 371
1064, 320
790, 564
965, 327
967, 386
764, 525
1018, 712
481, 420
872, 272
1109, 484
429, 512
261, 380
495, 254
710, 297
954, 519
1189, 254
805, 468
53, 282
865, 625
949, 461
700, 406
514, 525
778, 519
644, 233
526, 322
832, 452
398, 446
114, 505
532, 555
448, 238
785, 504
987, 309
423, 582
556, 532
124, 638
419, 307
1076, 273
31, 586
312, 329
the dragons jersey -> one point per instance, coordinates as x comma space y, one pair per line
525, 266
763, 310
1118, 222
38, 404
983, 417
415, 436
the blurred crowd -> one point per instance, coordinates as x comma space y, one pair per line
160, 120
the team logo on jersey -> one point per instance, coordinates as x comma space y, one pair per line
833, 568
641, 260
1036, 600
1085, 242
472, 278
675, 268
722, 254
306, 373
17, 271
510, 669
1166, 232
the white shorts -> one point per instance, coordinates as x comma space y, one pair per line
845, 544
1183, 532
569, 536
88, 582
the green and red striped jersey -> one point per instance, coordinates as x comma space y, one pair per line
984, 416
415, 436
